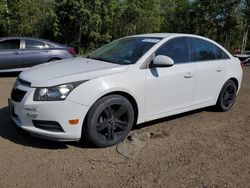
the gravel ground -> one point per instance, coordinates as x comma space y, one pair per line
198, 149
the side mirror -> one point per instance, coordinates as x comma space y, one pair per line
163, 61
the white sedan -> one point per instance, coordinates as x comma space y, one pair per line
129, 81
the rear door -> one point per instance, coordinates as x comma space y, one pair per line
209, 68
10, 54
35, 52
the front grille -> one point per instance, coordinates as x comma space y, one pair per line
17, 95
52, 126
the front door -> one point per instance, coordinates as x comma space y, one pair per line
170, 88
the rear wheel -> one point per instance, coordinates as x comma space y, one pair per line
54, 59
109, 121
227, 96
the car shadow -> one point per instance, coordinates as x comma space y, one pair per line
13, 133
169, 118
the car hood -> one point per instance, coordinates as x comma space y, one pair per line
69, 70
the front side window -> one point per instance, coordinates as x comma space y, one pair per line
32, 44
177, 49
203, 50
124, 51
10, 44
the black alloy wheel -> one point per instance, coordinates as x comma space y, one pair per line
227, 96
109, 121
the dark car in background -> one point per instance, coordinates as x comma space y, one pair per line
244, 57
19, 53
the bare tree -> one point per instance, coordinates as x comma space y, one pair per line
246, 25
7, 14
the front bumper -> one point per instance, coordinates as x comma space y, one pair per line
24, 113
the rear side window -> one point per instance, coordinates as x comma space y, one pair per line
203, 50
177, 49
220, 54
50, 45
33, 44
10, 44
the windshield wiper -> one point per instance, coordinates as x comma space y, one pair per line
101, 59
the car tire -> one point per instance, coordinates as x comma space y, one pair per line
109, 121
227, 96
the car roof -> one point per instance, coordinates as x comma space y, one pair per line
160, 35
170, 35
32, 38
165, 35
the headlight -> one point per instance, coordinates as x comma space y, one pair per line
55, 93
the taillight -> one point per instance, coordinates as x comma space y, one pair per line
72, 51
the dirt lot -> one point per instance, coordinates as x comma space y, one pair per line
198, 149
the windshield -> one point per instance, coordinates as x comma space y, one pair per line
124, 51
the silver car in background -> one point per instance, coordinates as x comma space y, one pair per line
19, 53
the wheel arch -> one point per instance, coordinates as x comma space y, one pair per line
128, 96
235, 81
54, 58
219, 106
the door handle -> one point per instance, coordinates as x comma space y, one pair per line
17, 53
188, 75
219, 69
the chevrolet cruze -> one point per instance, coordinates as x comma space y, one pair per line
129, 81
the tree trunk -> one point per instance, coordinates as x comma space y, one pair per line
244, 41
8, 19
79, 37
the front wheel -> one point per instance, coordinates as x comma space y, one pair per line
227, 96
109, 121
